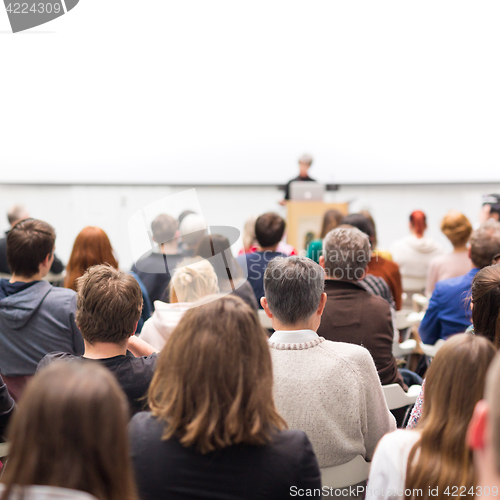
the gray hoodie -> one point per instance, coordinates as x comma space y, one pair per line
34, 322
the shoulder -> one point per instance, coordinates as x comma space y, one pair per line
354, 356
398, 442
59, 293
52, 357
452, 284
145, 424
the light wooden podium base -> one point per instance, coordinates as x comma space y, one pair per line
304, 220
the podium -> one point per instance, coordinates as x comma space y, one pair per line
305, 218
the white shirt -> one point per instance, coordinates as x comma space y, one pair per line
293, 336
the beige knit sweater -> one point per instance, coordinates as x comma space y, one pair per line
331, 390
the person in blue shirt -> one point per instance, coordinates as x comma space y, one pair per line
449, 309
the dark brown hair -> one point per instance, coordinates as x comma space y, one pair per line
225, 264
269, 229
70, 432
454, 384
331, 220
485, 294
28, 244
91, 247
213, 383
109, 304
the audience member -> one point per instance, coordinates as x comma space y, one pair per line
414, 252
213, 430
35, 317
217, 250
109, 307
352, 314
154, 268
305, 162
434, 456
330, 390
269, 229
16, 214
331, 220
192, 280
378, 266
457, 229
68, 439
483, 435
7, 407
448, 312
192, 229
374, 240
92, 247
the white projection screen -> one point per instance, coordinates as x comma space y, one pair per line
229, 92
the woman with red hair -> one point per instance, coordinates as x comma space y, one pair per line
92, 247
414, 252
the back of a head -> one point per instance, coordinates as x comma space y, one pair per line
70, 431
248, 235
331, 220
192, 228
28, 244
346, 251
485, 294
109, 305
213, 382
192, 280
183, 215
269, 229
17, 213
485, 243
457, 228
164, 228
492, 396
453, 385
91, 247
213, 246
293, 287
362, 222
418, 222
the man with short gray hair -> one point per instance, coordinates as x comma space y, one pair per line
330, 390
352, 314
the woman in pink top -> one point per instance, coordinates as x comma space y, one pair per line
457, 229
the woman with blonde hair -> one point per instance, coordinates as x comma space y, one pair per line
213, 430
68, 439
192, 280
457, 229
435, 456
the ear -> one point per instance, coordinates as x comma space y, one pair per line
322, 261
135, 329
46, 262
476, 433
265, 306
322, 304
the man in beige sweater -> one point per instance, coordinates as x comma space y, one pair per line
330, 390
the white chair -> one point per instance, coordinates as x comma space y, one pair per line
396, 397
4, 450
264, 320
401, 321
344, 475
420, 301
431, 350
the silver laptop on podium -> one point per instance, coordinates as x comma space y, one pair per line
307, 191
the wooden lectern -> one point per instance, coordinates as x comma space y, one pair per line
304, 220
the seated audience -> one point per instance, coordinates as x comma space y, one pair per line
378, 265
414, 252
192, 229
331, 220
35, 317
213, 430
330, 390
435, 455
192, 280
68, 439
448, 312
92, 247
483, 435
16, 214
217, 250
352, 314
154, 268
269, 229
457, 229
375, 250
109, 306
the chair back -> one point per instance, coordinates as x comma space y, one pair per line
349, 474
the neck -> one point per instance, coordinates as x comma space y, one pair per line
25, 279
308, 325
268, 249
461, 248
169, 248
102, 350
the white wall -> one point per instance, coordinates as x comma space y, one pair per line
70, 208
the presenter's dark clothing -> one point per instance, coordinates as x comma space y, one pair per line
56, 268
167, 469
297, 179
